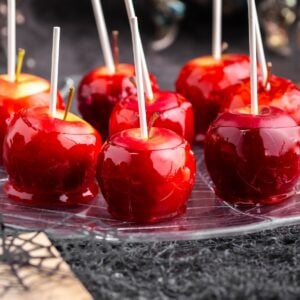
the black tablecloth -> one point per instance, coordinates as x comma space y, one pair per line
257, 266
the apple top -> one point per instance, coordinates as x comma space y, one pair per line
162, 101
27, 85
39, 119
268, 117
159, 139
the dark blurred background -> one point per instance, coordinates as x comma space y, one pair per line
188, 23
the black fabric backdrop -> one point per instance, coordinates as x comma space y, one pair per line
257, 266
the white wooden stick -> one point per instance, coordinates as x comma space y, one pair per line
217, 30
261, 51
11, 40
54, 71
253, 60
139, 76
103, 36
146, 77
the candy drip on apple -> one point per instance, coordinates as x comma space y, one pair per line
51, 155
167, 109
252, 154
102, 88
145, 176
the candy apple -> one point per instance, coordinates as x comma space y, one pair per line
170, 110
282, 93
27, 92
98, 92
146, 181
203, 80
50, 162
253, 159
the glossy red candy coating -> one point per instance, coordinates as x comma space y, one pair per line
98, 92
203, 80
174, 113
146, 181
50, 162
283, 94
29, 91
253, 159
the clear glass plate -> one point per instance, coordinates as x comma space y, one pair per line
206, 217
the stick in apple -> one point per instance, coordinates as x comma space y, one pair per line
139, 76
103, 36
253, 60
217, 30
69, 102
21, 54
54, 71
11, 39
146, 77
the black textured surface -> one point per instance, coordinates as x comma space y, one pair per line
257, 266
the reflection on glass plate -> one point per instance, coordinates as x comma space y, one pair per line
206, 216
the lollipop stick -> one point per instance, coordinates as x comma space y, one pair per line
54, 71
217, 30
103, 36
253, 60
11, 39
139, 77
261, 51
146, 77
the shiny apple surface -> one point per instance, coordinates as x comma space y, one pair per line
253, 159
29, 91
167, 110
50, 162
146, 181
203, 80
281, 93
98, 92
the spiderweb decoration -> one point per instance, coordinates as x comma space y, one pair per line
25, 260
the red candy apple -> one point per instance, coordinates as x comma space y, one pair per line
146, 181
203, 81
253, 159
98, 92
27, 92
282, 93
50, 162
173, 112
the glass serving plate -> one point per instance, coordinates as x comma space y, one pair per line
207, 216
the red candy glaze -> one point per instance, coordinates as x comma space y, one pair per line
283, 94
98, 92
50, 162
203, 81
253, 159
146, 181
174, 113
29, 91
